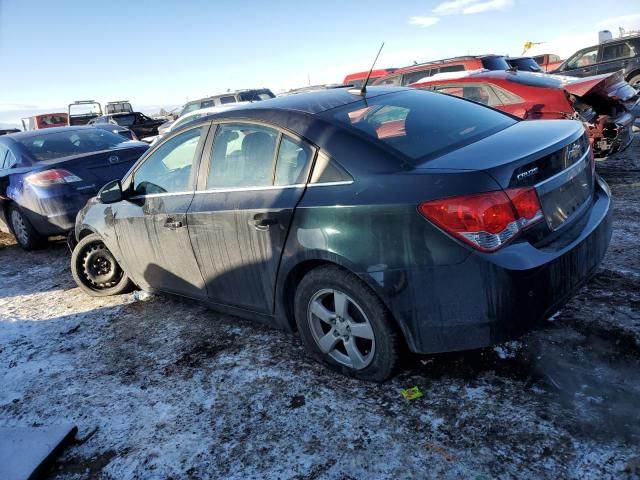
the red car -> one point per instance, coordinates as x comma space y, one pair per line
411, 74
46, 120
606, 104
357, 79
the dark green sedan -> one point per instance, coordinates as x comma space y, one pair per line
365, 221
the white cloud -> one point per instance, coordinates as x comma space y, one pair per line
468, 7
626, 22
423, 21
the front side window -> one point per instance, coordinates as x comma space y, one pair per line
227, 99
168, 168
419, 125
294, 160
242, 156
617, 51
584, 59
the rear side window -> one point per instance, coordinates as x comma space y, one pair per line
478, 93
227, 99
294, 159
419, 125
396, 80
617, 51
452, 68
413, 77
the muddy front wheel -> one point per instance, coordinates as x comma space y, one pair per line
95, 269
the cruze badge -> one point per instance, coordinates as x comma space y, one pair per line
528, 173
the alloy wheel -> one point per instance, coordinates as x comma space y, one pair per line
19, 227
341, 329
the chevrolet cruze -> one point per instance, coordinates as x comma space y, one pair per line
365, 221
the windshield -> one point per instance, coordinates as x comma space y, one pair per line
495, 63
49, 146
419, 124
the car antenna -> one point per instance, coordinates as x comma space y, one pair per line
363, 89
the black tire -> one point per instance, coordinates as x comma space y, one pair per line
26, 236
383, 350
95, 269
635, 81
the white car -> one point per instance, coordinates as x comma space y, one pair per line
194, 115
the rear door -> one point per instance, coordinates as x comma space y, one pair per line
151, 226
253, 177
616, 56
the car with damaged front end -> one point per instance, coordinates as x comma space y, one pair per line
606, 104
364, 220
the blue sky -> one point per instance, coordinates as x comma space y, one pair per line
156, 52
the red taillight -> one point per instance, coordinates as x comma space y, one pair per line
47, 178
485, 221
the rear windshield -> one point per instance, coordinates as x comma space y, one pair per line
495, 63
525, 64
70, 142
418, 124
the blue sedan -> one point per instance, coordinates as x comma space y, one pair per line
47, 176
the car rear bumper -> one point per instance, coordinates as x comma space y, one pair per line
491, 298
55, 215
617, 135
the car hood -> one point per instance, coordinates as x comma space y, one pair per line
611, 85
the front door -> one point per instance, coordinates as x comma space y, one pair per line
151, 226
240, 216
582, 64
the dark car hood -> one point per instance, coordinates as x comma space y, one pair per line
611, 85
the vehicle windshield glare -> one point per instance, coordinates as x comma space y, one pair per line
49, 146
420, 125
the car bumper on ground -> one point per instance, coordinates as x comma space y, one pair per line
491, 298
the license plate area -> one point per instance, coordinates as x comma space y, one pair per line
566, 194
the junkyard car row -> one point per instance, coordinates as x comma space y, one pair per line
366, 218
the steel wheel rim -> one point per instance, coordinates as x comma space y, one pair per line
341, 329
19, 227
98, 268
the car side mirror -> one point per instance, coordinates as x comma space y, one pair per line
111, 192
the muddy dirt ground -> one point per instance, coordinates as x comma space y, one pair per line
164, 388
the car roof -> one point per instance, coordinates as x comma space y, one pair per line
317, 101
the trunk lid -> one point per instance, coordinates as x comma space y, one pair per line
97, 168
611, 85
552, 156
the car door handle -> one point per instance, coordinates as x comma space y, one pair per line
173, 224
260, 222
